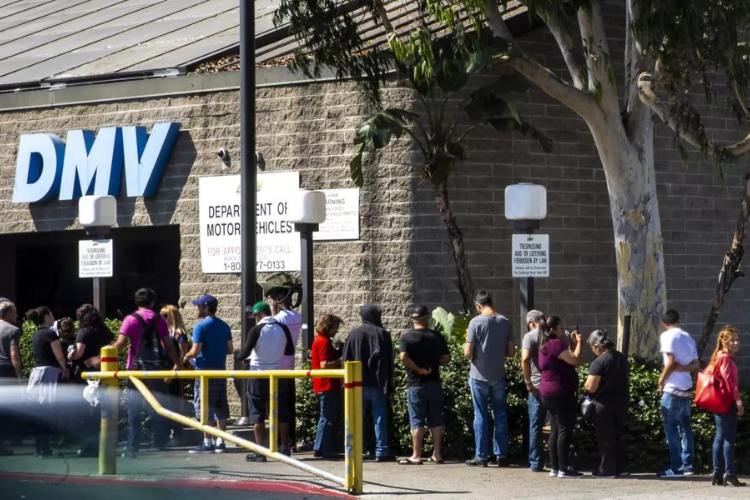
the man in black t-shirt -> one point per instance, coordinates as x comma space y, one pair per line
422, 351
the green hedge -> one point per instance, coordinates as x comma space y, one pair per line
643, 434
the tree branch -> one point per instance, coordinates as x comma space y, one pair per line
556, 25
637, 118
578, 100
495, 20
688, 134
596, 46
383, 14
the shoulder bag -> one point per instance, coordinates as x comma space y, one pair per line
588, 403
711, 391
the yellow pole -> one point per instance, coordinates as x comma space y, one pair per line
204, 400
273, 414
109, 403
353, 423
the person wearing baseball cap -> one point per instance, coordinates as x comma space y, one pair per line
212, 342
422, 351
266, 345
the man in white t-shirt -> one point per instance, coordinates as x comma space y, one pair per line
675, 386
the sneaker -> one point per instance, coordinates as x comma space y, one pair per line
687, 470
385, 458
569, 473
623, 474
670, 474
254, 457
220, 448
129, 454
317, 454
87, 453
599, 475
476, 461
203, 448
541, 469
286, 452
502, 461
553, 473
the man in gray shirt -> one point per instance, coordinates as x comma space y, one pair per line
532, 377
488, 342
11, 368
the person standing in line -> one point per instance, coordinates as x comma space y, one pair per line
675, 386
558, 390
723, 365
608, 385
145, 321
266, 345
488, 342
371, 344
422, 351
280, 300
326, 357
86, 356
50, 369
11, 366
212, 343
532, 377
176, 387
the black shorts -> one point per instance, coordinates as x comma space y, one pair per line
258, 397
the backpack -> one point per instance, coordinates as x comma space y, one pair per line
150, 355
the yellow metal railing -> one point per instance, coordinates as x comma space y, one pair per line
352, 375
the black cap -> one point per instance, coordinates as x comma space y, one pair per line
419, 312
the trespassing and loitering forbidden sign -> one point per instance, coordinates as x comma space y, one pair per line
530, 254
95, 259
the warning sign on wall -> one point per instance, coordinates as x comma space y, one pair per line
530, 256
95, 259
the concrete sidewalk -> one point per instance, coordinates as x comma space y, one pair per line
382, 481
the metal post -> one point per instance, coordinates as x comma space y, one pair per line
308, 314
353, 444
100, 296
273, 414
204, 400
248, 173
527, 284
109, 409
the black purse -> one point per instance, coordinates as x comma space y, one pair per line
588, 404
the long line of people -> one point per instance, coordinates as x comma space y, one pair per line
549, 357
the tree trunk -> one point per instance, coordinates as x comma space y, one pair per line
464, 283
730, 269
629, 168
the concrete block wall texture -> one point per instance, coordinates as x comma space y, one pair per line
403, 256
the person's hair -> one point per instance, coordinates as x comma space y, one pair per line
327, 323
722, 341
6, 307
145, 297
38, 315
66, 328
483, 298
670, 317
600, 339
88, 317
535, 316
546, 325
174, 318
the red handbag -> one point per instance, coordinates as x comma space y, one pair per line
711, 392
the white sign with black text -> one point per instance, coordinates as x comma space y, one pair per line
530, 256
342, 215
95, 259
277, 244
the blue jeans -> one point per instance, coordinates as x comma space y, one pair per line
325, 437
676, 413
724, 440
135, 406
537, 414
481, 392
374, 396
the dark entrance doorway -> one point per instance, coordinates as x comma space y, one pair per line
45, 269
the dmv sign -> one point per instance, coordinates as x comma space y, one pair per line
92, 165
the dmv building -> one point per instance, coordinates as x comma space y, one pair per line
143, 119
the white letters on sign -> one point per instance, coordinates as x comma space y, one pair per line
91, 164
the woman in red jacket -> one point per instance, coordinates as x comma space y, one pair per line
727, 345
326, 356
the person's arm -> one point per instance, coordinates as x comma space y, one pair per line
409, 364
120, 342
183, 347
194, 352
15, 359
592, 383
77, 353
526, 369
672, 366
691, 367
289, 348
252, 339
469, 350
230, 347
171, 352
573, 358
58, 352
510, 350
336, 363
728, 372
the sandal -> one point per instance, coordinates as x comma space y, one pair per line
434, 460
409, 461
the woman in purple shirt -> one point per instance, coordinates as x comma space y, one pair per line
557, 362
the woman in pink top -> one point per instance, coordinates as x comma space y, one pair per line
727, 345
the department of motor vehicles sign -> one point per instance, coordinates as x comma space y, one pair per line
530, 255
